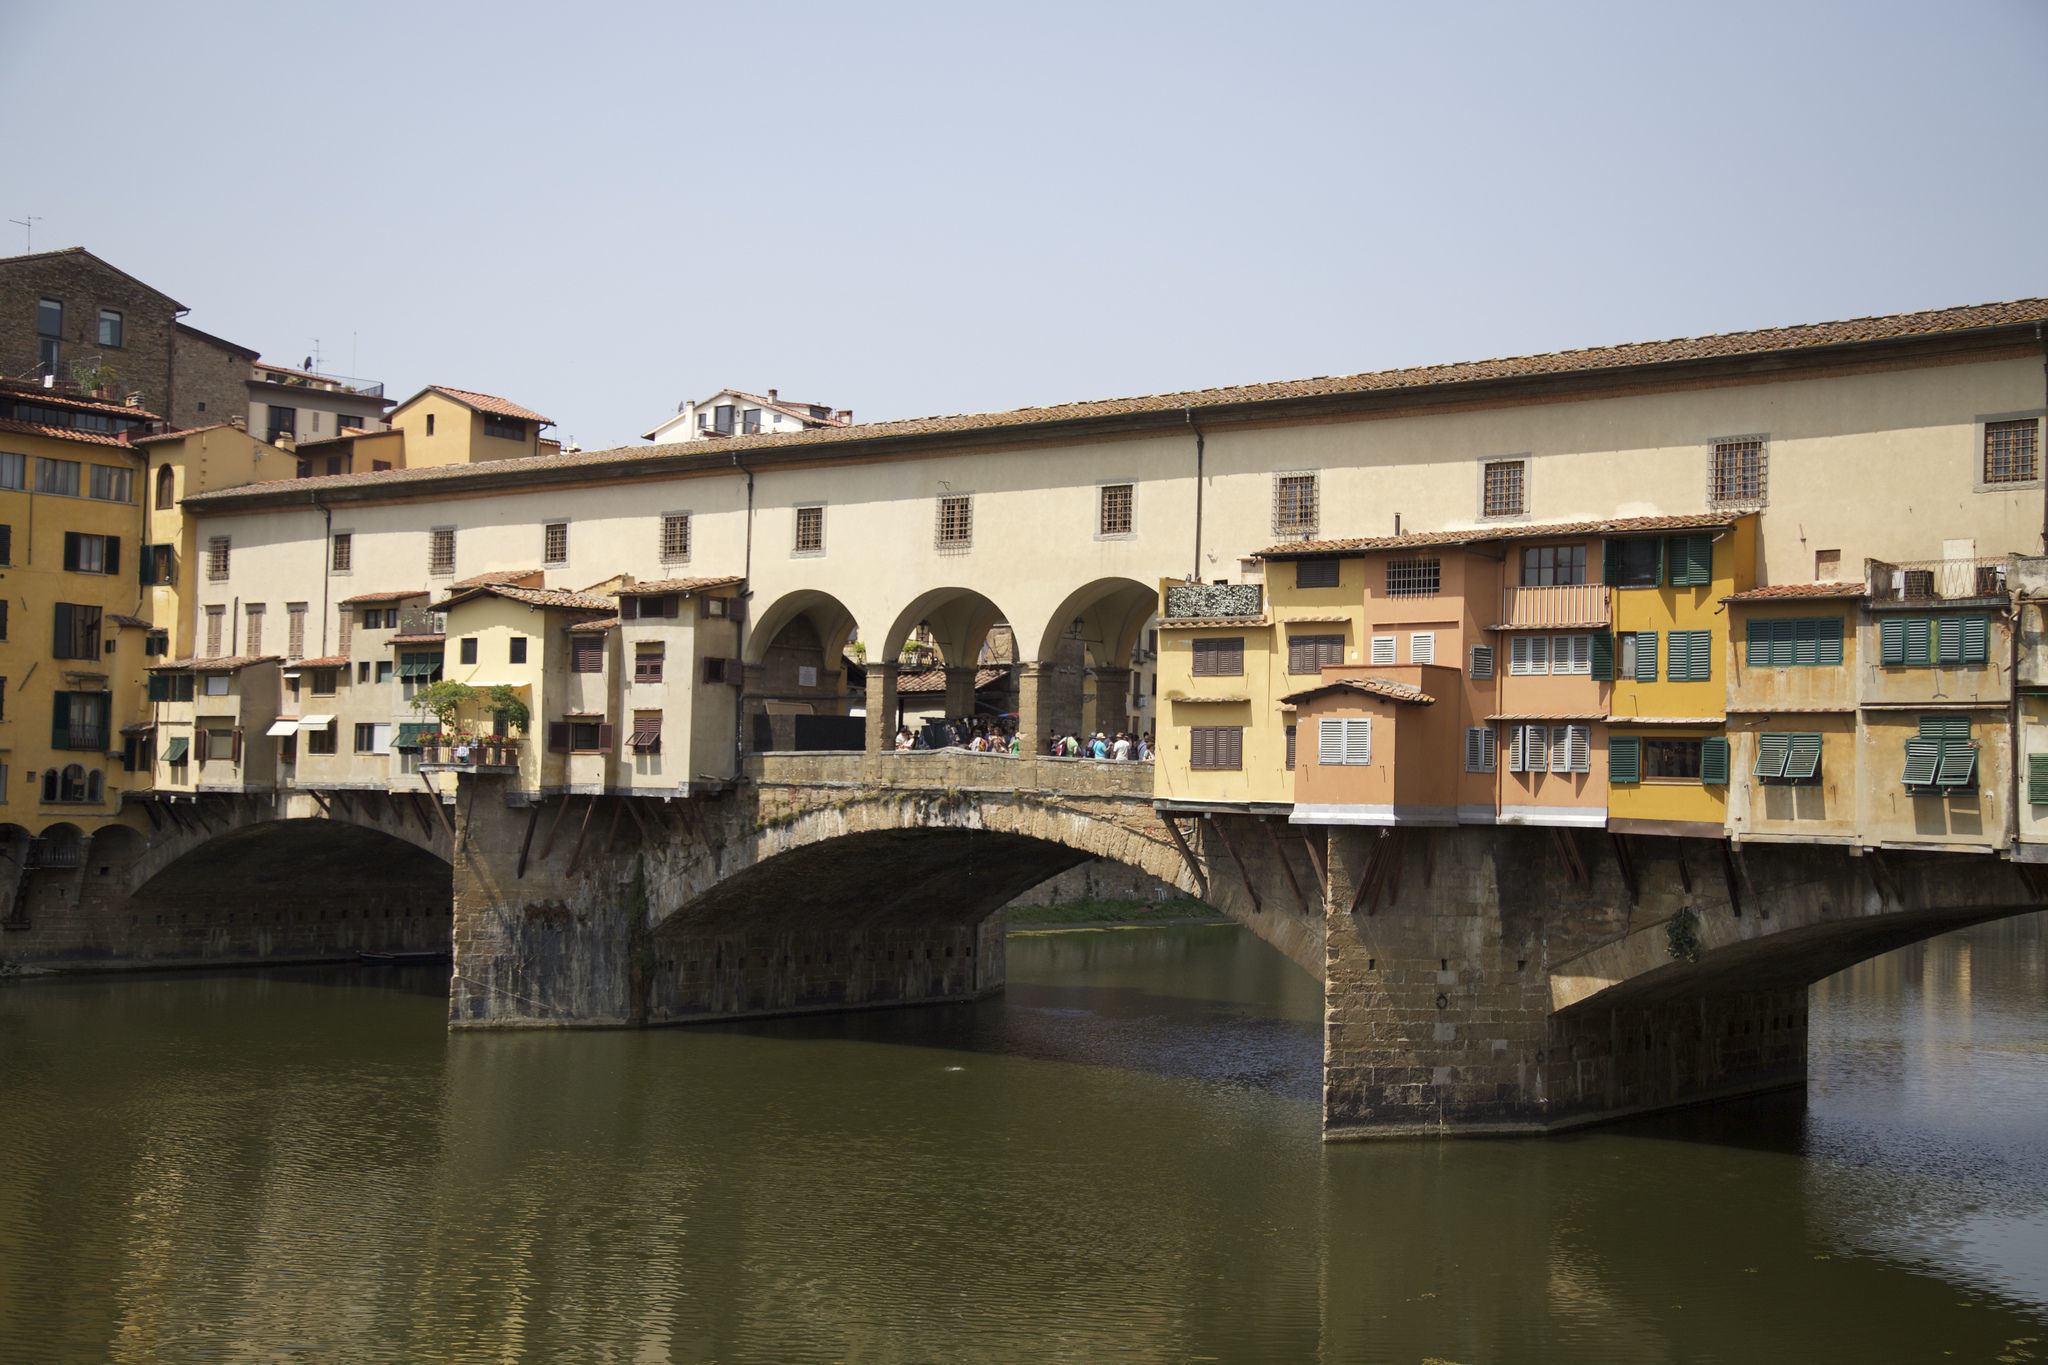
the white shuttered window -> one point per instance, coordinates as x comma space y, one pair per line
1344, 742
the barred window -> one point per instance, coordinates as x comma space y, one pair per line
554, 547
1414, 577
1116, 509
810, 530
2012, 451
1738, 472
344, 551
217, 558
675, 537
1294, 504
441, 550
956, 522
1502, 492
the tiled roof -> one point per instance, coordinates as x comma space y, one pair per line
1728, 345
484, 402
1617, 526
349, 434
418, 639
662, 586
133, 621
1203, 622
934, 680
596, 627
24, 392
390, 595
800, 411
1209, 699
1786, 592
533, 597
325, 661
225, 664
497, 576
1550, 715
180, 434
1372, 687
95, 438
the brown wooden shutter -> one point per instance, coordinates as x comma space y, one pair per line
236, 755
671, 606
558, 736
629, 608
607, 738
1232, 746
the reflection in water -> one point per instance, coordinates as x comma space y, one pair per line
1116, 1159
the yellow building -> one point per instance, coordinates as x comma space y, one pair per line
445, 426
71, 640
1793, 686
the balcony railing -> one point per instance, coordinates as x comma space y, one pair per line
1573, 604
1187, 601
1937, 580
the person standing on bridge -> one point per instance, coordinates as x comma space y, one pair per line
1121, 750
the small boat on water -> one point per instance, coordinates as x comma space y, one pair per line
419, 959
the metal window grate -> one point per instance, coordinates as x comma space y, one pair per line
810, 529
675, 537
1414, 577
217, 558
1738, 472
1294, 504
2012, 451
1116, 509
441, 551
555, 543
955, 529
1503, 489
344, 551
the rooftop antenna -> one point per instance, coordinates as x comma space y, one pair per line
28, 230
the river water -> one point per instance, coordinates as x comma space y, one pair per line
1115, 1161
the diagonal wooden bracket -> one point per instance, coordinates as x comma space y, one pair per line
1280, 854
1231, 849
1187, 854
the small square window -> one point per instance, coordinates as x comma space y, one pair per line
675, 537
517, 652
555, 543
467, 647
1296, 504
956, 522
810, 530
1738, 471
441, 550
2012, 452
1116, 509
1503, 494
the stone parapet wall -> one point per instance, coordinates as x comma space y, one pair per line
940, 770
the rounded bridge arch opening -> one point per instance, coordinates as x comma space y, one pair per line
798, 672
1092, 648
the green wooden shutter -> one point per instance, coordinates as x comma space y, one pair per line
60, 720
1603, 656
1714, 761
1922, 757
1624, 759
2037, 779
1802, 758
1610, 562
1756, 651
1976, 640
1770, 755
1646, 656
113, 564
1945, 729
1663, 556
1703, 658
1948, 640
159, 687
1692, 561
1891, 641
1958, 766
1805, 640
1828, 641
72, 539
1919, 642
60, 642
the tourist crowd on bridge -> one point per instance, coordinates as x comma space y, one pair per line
1000, 736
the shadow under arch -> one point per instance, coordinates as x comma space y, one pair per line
797, 666
302, 871
1106, 616
959, 620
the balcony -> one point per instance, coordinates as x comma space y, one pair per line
1573, 604
1206, 601
465, 754
1926, 581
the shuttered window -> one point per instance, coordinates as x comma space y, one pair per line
1291, 736
1315, 573
586, 653
1637, 656
1216, 747
1222, 658
1344, 742
1714, 761
1802, 764
1571, 654
1770, 755
1942, 756
1481, 750
1482, 661
1690, 561
1311, 653
1787, 757
1691, 651
1383, 647
2037, 779
1529, 654
1794, 642
1922, 641
1624, 759
1422, 647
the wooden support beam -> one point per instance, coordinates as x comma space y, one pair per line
171, 809
1230, 848
1317, 861
156, 822
1368, 873
1187, 854
420, 814
434, 800
1628, 869
321, 802
532, 819
1396, 846
1730, 876
1274, 838
1568, 853
647, 839
1429, 856
611, 832
547, 845
582, 833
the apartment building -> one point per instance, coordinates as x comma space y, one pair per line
734, 412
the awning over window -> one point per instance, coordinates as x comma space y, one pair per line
418, 665
177, 750
646, 733
315, 722
288, 725
409, 733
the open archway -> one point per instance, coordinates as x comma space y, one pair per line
1092, 646
798, 672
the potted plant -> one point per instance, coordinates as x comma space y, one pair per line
502, 704
443, 701
97, 380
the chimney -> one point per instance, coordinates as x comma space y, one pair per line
239, 423
845, 415
135, 398
771, 395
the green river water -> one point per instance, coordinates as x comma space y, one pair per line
1117, 1160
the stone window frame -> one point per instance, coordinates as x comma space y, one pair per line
1102, 487
1308, 528
958, 545
1980, 434
1524, 458
661, 549
1715, 496
341, 535
548, 557
797, 549
433, 547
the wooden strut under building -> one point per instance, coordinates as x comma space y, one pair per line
1627, 866
1315, 859
1187, 854
1568, 853
526, 843
1266, 823
434, 800
1731, 877
1382, 868
582, 833
1231, 849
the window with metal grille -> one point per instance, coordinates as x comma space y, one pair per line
955, 529
1222, 658
1295, 505
675, 537
344, 551
441, 550
647, 661
1545, 566
217, 550
2012, 452
1503, 489
586, 652
1312, 653
1414, 577
1738, 471
1345, 742
1216, 748
554, 544
1292, 751
1321, 572
810, 530
1116, 509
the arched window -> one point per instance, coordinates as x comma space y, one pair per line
73, 786
49, 786
95, 787
166, 489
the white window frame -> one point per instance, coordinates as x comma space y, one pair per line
1571, 655
1344, 741
1383, 647
1422, 647
1528, 656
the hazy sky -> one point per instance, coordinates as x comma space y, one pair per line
598, 209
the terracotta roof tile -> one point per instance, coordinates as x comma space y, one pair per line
1785, 592
325, 661
95, 438
24, 392
418, 639
1374, 687
1550, 715
934, 680
1205, 622
595, 627
1727, 345
223, 664
668, 585
1473, 535
484, 402
533, 597
495, 577
180, 434
120, 619
390, 595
